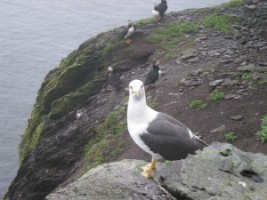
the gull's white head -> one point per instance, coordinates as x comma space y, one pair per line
136, 89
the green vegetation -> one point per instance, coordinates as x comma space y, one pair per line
172, 31
197, 103
263, 132
233, 3
221, 22
169, 36
29, 144
112, 46
216, 95
143, 21
108, 141
247, 76
230, 137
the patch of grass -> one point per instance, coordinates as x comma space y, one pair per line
168, 37
247, 76
143, 21
215, 96
233, 3
108, 141
263, 132
172, 30
230, 137
221, 22
111, 47
197, 103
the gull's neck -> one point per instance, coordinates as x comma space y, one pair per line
138, 109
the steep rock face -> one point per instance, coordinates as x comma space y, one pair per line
220, 171
55, 138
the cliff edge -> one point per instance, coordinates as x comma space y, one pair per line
215, 76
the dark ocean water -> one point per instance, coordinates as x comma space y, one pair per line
34, 37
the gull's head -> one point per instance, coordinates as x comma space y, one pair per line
136, 89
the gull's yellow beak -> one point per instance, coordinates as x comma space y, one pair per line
137, 93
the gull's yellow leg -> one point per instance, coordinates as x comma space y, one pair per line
149, 168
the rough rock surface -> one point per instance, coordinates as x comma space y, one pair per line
221, 171
72, 101
119, 180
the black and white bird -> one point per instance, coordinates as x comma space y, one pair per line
114, 79
128, 32
159, 10
158, 134
154, 74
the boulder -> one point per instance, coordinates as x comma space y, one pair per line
220, 171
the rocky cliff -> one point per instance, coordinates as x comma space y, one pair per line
219, 172
215, 64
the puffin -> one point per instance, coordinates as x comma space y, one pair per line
157, 133
251, 4
128, 32
154, 74
159, 10
114, 79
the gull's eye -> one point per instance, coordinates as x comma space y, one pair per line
131, 87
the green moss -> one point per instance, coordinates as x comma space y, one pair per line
169, 36
143, 21
221, 22
74, 99
112, 46
170, 31
263, 132
108, 141
247, 76
232, 3
28, 143
104, 150
197, 103
230, 137
215, 96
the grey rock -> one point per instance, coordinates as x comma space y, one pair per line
189, 53
257, 76
216, 82
250, 67
230, 82
190, 83
119, 180
219, 129
220, 171
232, 96
262, 63
193, 60
201, 39
197, 72
261, 69
216, 52
236, 117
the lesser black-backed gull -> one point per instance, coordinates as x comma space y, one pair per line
158, 134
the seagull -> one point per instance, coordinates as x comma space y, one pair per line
159, 10
128, 32
154, 74
158, 134
114, 79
